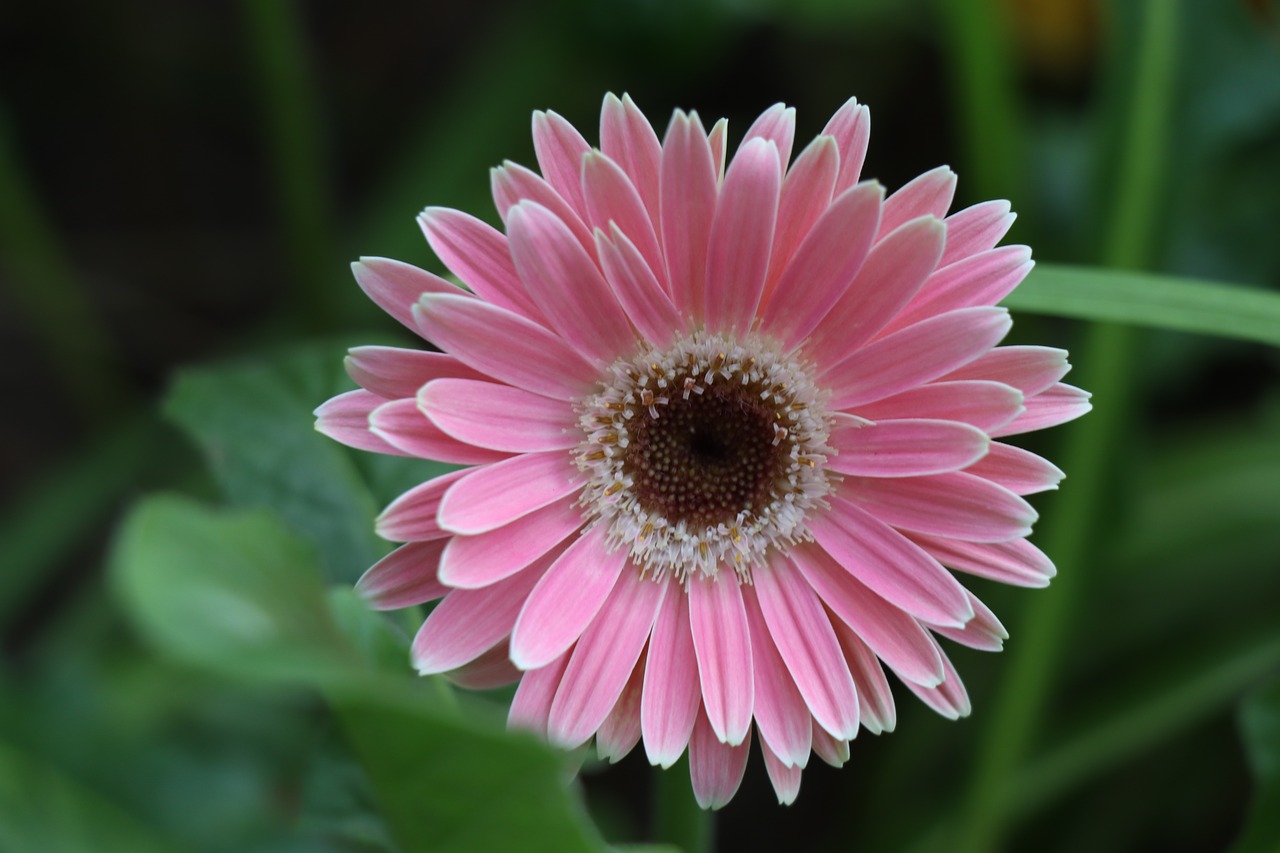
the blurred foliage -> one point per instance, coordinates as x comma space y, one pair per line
203, 678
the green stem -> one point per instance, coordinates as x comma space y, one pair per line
1105, 359
677, 818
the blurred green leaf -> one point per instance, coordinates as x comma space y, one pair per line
1149, 300
1260, 727
253, 421
41, 809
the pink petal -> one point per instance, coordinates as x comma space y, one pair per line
1056, 405
781, 715
1017, 563
785, 780
722, 642
513, 183
886, 281
604, 659
778, 125
741, 236
620, 732
929, 194
628, 138
832, 751
494, 495
468, 622
470, 562
613, 201
716, 142
393, 373
956, 504
949, 698
671, 696
982, 279
560, 148
566, 600
851, 128
487, 414
916, 355
401, 424
891, 565
804, 638
345, 418
396, 287
715, 768
906, 448
983, 632
824, 266
805, 194
875, 699
412, 516
688, 204
565, 282
491, 670
976, 229
405, 577
477, 254
638, 291
1027, 368
1020, 471
891, 633
506, 346
985, 405
531, 706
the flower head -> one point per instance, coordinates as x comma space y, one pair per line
730, 432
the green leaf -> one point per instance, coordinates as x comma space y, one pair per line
235, 592
253, 421
1260, 726
43, 809
1155, 301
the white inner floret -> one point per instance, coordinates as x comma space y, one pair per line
706, 453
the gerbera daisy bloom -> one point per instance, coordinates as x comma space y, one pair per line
728, 435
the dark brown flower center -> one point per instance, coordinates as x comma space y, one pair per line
705, 459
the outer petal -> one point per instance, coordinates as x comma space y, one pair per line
1020, 471
723, 645
402, 425
612, 200
781, 715
620, 732
470, 562
396, 287
604, 659
531, 705
949, 698
985, 405
688, 205
715, 768
513, 183
804, 638
566, 600
778, 125
891, 565
1017, 562
929, 194
504, 345
824, 265
832, 751
1057, 405
896, 637
468, 622
741, 237
628, 138
982, 279
565, 282
491, 670
394, 373
786, 780
637, 289
916, 355
891, 275
956, 504
805, 194
851, 128
671, 696
488, 414
477, 254
976, 229
405, 577
489, 497
1029, 369
412, 516
906, 448
983, 632
560, 149
345, 419
875, 699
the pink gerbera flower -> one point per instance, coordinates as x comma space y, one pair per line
729, 434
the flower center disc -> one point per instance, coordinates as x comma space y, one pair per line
706, 453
